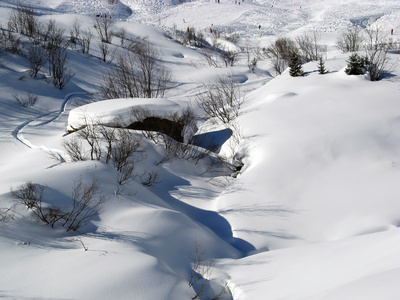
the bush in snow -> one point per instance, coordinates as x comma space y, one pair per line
86, 204
309, 48
295, 66
23, 20
280, 53
356, 65
321, 66
377, 48
29, 100
221, 100
36, 57
138, 75
351, 40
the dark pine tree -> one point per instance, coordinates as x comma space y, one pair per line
356, 65
295, 66
321, 66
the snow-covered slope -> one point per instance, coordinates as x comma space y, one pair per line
313, 214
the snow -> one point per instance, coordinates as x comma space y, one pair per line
312, 214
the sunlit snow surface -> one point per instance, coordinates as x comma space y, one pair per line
313, 214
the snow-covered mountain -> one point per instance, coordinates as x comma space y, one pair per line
313, 213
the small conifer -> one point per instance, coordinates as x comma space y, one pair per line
356, 65
295, 66
321, 66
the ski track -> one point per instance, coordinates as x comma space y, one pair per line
17, 132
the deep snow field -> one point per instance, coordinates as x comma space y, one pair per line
314, 213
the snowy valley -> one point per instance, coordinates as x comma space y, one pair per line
290, 190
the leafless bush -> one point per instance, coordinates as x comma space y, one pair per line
74, 149
309, 47
109, 135
138, 74
221, 100
87, 202
104, 28
31, 195
125, 173
29, 100
121, 34
125, 147
106, 51
23, 20
60, 70
57, 56
351, 40
6, 215
9, 41
112, 2
91, 134
212, 58
126, 153
230, 57
233, 38
252, 56
149, 178
201, 275
36, 58
377, 48
75, 32
280, 53
86, 39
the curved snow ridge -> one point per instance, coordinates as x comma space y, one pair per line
109, 112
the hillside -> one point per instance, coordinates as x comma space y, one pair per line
295, 198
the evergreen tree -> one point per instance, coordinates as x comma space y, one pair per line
295, 66
321, 66
356, 65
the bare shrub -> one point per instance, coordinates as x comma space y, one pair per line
309, 47
109, 135
221, 100
6, 215
74, 149
149, 178
138, 74
351, 40
230, 57
31, 196
104, 50
104, 28
57, 56
9, 41
125, 173
29, 100
211, 58
87, 202
86, 39
90, 133
75, 32
201, 275
125, 148
36, 58
377, 48
280, 53
23, 20
60, 70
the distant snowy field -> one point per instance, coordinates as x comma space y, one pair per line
313, 214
